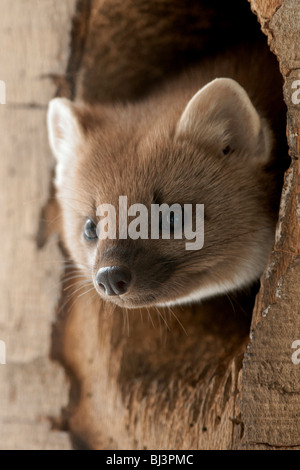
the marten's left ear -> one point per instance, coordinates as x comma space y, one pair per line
222, 112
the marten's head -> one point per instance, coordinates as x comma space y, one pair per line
212, 150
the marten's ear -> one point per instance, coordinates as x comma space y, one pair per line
64, 131
222, 112
64, 134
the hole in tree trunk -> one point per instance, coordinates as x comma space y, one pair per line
149, 379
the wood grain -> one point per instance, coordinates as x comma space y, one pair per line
33, 389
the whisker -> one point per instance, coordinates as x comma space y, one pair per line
149, 316
86, 292
160, 315
179, 322
83, 282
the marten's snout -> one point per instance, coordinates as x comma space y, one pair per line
113, 280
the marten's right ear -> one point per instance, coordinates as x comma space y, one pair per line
63, 128
64, 134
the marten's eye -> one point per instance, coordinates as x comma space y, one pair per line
227, 150
171, 220
90, 230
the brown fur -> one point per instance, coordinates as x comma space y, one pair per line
137, 43
159, 378
132, 150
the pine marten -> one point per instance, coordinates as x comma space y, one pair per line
210, 137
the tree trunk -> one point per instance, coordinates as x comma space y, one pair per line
270, 398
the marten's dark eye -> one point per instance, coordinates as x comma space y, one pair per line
90, 230
171, 220
227, 150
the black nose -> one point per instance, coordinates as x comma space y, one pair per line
113, 280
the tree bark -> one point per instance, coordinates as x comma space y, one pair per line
270, 399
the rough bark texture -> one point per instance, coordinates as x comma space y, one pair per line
270, 399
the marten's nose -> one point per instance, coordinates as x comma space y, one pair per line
113, 280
